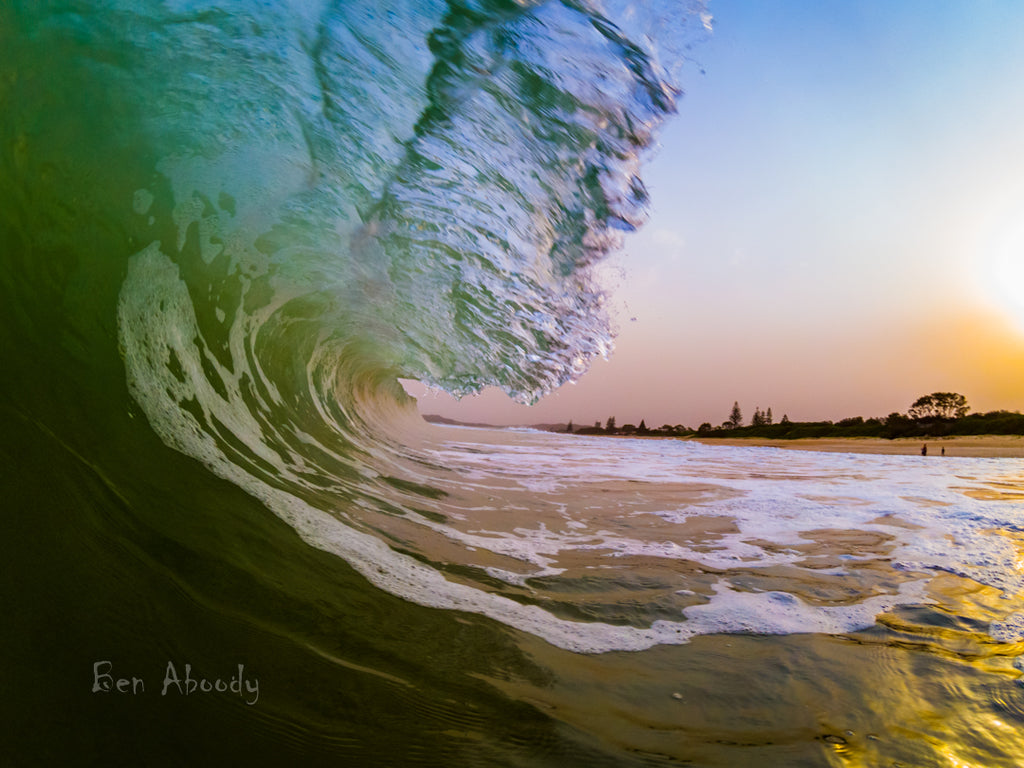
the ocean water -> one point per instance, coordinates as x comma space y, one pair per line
227, 230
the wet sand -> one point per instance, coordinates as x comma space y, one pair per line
989, 446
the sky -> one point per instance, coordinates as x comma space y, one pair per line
837, 224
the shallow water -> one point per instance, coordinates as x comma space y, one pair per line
632, 531
227, 230
860, 627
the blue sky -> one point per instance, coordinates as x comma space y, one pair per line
836, 223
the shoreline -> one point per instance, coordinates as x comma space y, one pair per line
971, 446
975, 446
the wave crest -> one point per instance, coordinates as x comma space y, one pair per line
442, 177
365, 193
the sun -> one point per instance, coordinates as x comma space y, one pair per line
1001, 273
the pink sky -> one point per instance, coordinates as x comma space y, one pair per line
837, 226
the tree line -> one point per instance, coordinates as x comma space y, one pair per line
939, 414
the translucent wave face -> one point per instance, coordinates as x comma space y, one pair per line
443, 175
343, 193
322, 197
350, 192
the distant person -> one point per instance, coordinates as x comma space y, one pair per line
943, 450
924, 449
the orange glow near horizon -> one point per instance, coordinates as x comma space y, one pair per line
986, 352
876, 371
835, 237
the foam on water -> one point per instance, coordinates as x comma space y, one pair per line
776, 509
780, 613
780, 498
350, 194
783, 500
1009, 630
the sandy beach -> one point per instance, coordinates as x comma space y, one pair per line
987, 446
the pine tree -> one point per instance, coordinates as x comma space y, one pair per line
736, 417
768, 417
609, 425
642, 428
568, 429
785, 419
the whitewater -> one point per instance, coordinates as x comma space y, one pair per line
229, 229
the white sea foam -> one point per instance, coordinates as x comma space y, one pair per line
780, 613
780, 495
1009, 630
774, 497
780, 501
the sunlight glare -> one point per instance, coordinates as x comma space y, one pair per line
1002, 271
